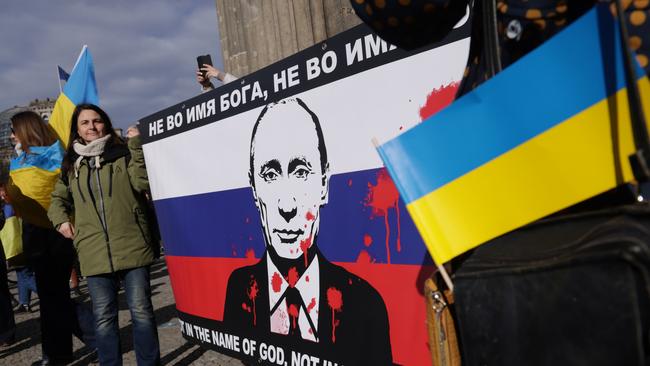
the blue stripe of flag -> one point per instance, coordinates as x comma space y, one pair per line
484, 124
81, 86
227, 224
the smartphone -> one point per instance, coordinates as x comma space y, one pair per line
202, 60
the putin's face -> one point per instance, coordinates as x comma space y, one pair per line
288, 181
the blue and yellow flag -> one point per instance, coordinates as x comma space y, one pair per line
80, 88
33, 175
11, 234
548, 132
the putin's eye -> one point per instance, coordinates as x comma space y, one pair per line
269, 175
301, 173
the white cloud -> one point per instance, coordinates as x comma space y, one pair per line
144, 51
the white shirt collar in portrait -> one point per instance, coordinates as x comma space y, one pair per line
308, 286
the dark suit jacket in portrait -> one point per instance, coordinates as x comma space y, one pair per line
362, 330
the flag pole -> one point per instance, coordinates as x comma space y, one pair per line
441, 268
58, 76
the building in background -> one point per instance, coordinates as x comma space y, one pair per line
43, 107
257, 33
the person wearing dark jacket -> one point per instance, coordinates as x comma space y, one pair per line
32, 176
7, 323
101, 190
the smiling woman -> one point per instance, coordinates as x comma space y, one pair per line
105, 180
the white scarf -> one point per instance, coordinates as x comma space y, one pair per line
94, 149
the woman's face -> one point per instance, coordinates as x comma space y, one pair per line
14, 139
90, 126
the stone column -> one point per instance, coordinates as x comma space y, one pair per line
256, 33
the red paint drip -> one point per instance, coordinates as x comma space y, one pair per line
367, 240
276, 282
306, 278
311, 305
250, 253
252, 292
381, 197
335, 302
364, 258
438, 99
245, 307
293, 312
310, 216
292, 277
304, 246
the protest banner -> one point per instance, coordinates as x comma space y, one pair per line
285, 239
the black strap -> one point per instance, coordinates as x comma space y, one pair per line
640, 159
491, 37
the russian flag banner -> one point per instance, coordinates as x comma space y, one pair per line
285, 239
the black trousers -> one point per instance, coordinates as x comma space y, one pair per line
7, 323
51, 257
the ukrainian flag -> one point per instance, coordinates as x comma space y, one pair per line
80, 88
548, 132
33, 175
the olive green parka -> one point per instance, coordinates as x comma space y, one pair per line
108, 210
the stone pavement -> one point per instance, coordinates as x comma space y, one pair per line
174, 350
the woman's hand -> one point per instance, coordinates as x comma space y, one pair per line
67, 230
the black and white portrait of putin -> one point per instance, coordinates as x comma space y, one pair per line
294, 290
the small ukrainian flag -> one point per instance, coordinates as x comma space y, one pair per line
80, 88
548, 132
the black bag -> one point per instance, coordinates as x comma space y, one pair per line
570, 290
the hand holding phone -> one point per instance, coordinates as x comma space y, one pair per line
204, 60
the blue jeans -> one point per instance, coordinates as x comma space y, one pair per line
26, 284
103, 292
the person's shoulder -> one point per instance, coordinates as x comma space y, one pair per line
247, 273
337, 278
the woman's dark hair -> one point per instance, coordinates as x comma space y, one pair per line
71, 155
31, 130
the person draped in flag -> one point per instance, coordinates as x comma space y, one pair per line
32, 176
99, 201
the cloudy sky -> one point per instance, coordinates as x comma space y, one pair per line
144, 51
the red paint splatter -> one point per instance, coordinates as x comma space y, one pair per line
252, 292
306, 278
304, 246
310, 216
335, 302
364, 258
350, 281
250, 253
381, 197
349, 182
293, 312
367, 240
401, 128
438, 99
245, 307
292, 277
276, 282
311, 305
